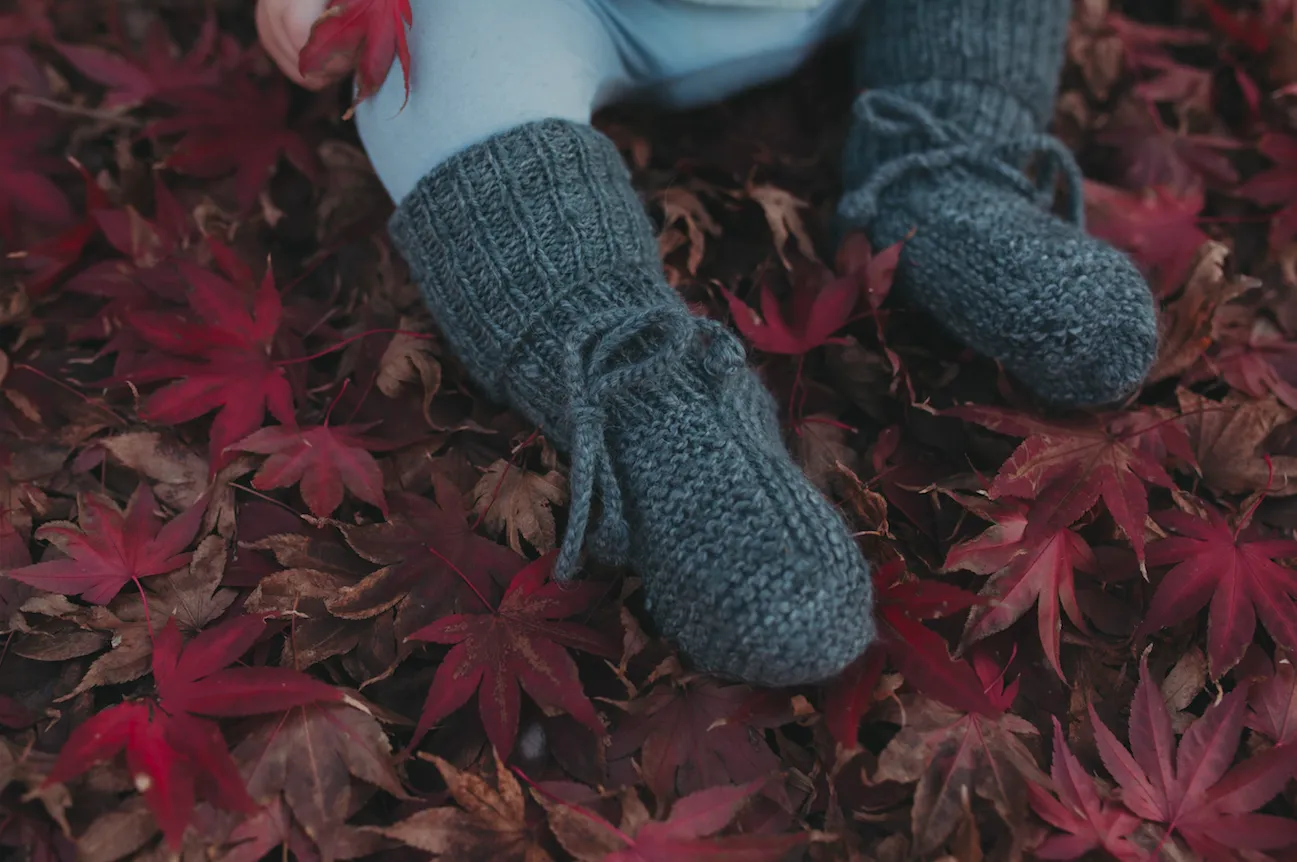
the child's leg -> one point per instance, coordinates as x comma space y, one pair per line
482, 67
959, 93
542, 271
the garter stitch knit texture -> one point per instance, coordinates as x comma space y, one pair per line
542, 271
959, 94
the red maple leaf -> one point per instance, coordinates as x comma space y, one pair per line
26, 190
1071, 465
1276, 186
235, 127
1091, 823
1192, 790
1273, 702
155, 73
1037, 571
690, 736
223, 362
367, 34
1234, 570
431, 557
1256, 359
1157, 227
108, 549
813, 317
50, 258
173, 755
324, 459
687, 835
1155, 155
518, 645
1250, 31
920, 654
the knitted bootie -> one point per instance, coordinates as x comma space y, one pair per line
542, 271
959, 92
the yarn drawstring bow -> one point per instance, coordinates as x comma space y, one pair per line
886, 114
612, 354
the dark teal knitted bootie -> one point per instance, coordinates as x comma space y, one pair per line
959, 93
542, 271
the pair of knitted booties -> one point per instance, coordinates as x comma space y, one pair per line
542, 270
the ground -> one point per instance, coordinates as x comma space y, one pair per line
275, 575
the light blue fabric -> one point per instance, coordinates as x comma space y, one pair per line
481, 67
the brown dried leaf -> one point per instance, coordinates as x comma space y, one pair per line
130, 658
311, 756
682, 206
193, 595
180, 473
491, 823
409, 360
821, 448
781, 208
1187, 321
945, 750
117, 834
1227, 438
518, 502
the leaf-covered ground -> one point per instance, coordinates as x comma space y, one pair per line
275, 576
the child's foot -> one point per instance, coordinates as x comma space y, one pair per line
542, 271
959, 94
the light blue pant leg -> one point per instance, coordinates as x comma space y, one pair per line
481, 67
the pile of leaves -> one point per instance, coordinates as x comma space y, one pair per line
274, 577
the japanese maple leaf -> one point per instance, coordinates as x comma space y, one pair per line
1250, 31
1254, 361
49, 259
431, 558
324, 459
1077, 809
1024, 571
1276, 186
491, 822
687, 835
918, 652
1273, 703
366, 34
518, 645
1191, 789
108, 549
812, 319
688, 738
1154, 155
154, 73
173, 755
1234, 570
223, 362
1071, 465
1157, 227
235, 127
950, 753
26, 190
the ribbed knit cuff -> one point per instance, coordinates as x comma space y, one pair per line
513, 231
1011, 46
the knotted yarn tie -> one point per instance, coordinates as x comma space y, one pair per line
891, 116
610, 353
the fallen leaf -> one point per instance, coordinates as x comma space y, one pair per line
1191, 788
518, 502
490, 824
520, 644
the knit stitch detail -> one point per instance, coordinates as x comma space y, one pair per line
960, 92
542, 271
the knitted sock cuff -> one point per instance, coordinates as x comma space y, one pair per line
505, 231
1013, 46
